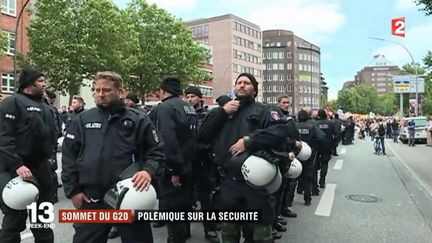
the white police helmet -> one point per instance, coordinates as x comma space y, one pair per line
260, 173
17, 193
124, 196
305, 153
294, 170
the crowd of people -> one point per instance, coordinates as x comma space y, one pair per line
188, 153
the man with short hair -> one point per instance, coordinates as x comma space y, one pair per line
177, 122
238, 129
100, 145
27, 139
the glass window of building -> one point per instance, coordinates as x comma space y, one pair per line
281, 55
275, 77
288, 55
8, 83
289, 66
275, 55
281, 77
275, 66
281, 66
9, 7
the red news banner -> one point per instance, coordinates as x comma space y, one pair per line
95, 216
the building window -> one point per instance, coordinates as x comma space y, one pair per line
281, 77
275, 66
281, 55
281, 66
10, 38
7, 85
275, 55
269, 66
288, 55
9, 7
289, 66
275, 77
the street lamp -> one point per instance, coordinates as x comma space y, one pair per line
15, 42
414, 65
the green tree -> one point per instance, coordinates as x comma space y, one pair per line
71, 40
160, 45
426, 6
427, 98
3, 43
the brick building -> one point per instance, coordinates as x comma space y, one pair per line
10, 10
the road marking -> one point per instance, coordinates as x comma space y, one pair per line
27, 235
325, 205
343, 151
338, 165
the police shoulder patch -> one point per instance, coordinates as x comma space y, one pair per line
155, 136
275, 115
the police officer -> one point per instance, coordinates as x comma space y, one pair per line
312, 135
177, 123
27, 139
99, 145
77, 106
203, 176
131, 100
49, 98
288, 185
338, 129
325, 149
237, 129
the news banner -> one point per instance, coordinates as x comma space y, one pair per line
44, 217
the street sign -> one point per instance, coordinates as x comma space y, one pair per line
407, 84
398, 27
401, 84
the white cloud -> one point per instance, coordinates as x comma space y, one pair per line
418, 41
175, 5
405, 5
314, 21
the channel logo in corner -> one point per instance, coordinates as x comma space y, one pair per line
41, 217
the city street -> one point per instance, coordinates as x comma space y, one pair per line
392, 193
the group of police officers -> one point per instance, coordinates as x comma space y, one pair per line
185, 151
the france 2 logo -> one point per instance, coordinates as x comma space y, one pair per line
398, 27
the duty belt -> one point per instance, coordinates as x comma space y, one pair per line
223, 174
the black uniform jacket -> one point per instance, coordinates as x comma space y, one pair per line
261, 122
177, 122
99, 144
27, 131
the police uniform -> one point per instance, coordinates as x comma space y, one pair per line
288, 185
99, 145
177, 123
325, 152
261, 123
338, 127
27, 137
312, 135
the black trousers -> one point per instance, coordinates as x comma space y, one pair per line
335, 144
136, 232
204, 182
324, 159
176, 199
306, 178
14, 222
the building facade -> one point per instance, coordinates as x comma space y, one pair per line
236, 46
293, 67
9, 13
378, 74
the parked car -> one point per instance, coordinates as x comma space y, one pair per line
420, 131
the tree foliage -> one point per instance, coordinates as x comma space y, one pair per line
3, 43
72, 40
427, 98
161, 45
426, 6
364, 99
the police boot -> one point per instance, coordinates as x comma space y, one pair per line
315, 191
114, 233
281, 220
279, 227
276, 235
288, 213
322, 184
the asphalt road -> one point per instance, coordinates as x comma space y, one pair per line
392, 200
